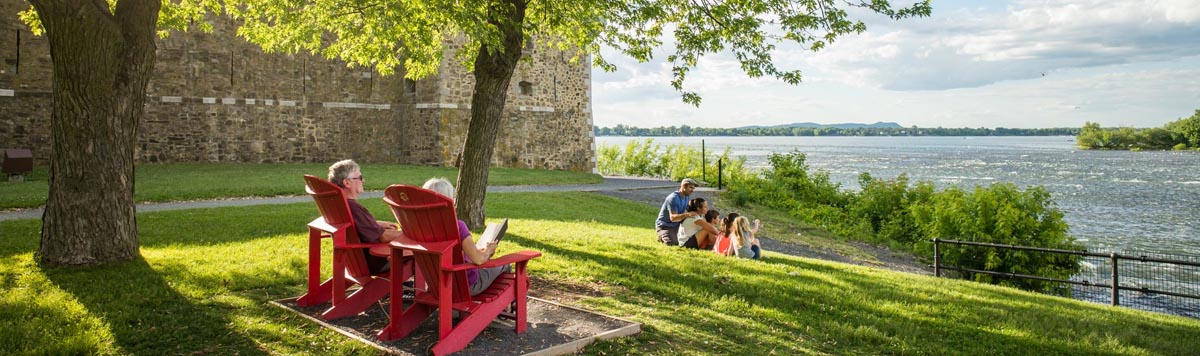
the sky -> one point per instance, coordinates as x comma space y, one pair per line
1015, 64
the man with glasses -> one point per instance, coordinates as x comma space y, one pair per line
347, 175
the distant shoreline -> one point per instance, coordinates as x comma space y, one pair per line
685, 131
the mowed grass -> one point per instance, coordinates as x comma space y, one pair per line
206, 276
192, 181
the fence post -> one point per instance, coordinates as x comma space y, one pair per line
720, 172
937, 258
1116, 283
703, 162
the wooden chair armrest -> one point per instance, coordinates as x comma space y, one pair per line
320, 224
404, 243
381, 250
515, 257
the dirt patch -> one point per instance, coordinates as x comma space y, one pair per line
880, 257
552, 329
564, 292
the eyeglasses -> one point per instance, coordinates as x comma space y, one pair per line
359, 178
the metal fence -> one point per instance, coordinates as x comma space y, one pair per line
1150, 281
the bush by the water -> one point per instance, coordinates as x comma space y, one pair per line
1180, 134
644, 158
894, 213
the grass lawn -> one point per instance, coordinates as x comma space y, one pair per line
206, 275
191, 181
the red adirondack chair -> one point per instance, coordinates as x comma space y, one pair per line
431, 233
349, 264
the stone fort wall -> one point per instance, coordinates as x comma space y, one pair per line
216, 98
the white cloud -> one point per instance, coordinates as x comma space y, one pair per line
968, 48
1024, 64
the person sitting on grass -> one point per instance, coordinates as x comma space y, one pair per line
672, 212
696, 231
745, 245
479, 279
707, 239
347, 175
726, 233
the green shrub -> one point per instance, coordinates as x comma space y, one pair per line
1001, 214
608, 160
893, 213
790, 173
883, 205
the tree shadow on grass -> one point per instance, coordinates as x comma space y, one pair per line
147, 316
19, 236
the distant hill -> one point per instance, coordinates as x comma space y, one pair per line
885, 125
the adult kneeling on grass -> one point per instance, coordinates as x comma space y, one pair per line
673, 211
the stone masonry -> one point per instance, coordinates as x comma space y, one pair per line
216, 98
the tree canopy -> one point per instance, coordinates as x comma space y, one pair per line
413, 33
416, 34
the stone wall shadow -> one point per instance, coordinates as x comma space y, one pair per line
147, 316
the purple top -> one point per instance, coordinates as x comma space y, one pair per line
463, 234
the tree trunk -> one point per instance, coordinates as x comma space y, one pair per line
102, 63
493, 71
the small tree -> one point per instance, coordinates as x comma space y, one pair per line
1090, 136
1187, 130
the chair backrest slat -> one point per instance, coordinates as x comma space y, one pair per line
426, 216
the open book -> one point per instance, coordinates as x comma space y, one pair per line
494, 231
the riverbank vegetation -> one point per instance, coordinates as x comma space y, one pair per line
204, 278
903, 215
195, 181
907, 216
1182, 134
644, 158
685, 130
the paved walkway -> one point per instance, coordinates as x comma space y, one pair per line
610, 184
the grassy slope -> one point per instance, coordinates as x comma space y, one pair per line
190, 181
206, 275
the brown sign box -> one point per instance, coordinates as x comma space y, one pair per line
17, 161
